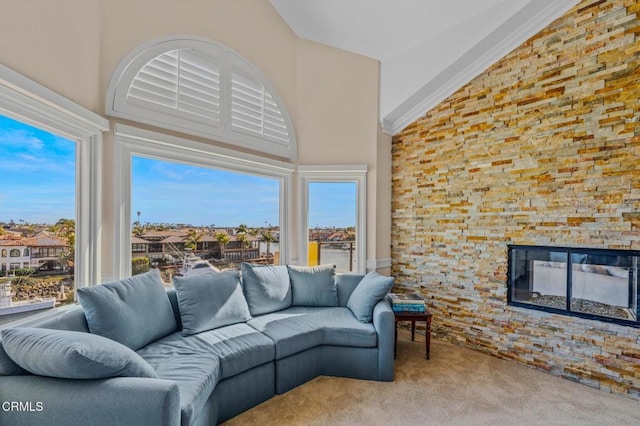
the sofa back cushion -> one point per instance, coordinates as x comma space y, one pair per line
346, 283
210, 301
135, 311
313, 285
72, 354
266, 288
367, 294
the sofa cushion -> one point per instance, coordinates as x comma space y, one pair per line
135, 311
367, 294
7, 366
313, 285
297, 329
346, 283
239, 347
266, 288
194, 368
210, 301
72, 354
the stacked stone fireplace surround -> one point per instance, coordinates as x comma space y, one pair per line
543, 148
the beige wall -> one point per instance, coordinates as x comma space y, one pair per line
55, 43
383, 201
73, 47
327, 131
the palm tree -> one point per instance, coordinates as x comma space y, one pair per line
138, 229
244, 240
66, 228
242, 229
223, 239
31, 230
192, 239
268, 237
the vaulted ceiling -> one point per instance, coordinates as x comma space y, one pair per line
427, 49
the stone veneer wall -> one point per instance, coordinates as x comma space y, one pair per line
542, 148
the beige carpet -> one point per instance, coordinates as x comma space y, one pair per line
457, 386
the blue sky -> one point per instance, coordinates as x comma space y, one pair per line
37, 174
332, 204
167, 192
37, 185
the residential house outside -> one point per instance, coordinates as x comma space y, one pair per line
42, 251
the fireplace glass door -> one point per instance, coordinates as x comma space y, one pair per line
592, 283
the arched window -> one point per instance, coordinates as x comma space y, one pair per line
4, 253
25, 252
199, 87
14, 253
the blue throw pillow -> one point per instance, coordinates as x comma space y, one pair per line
266, 288
367, 294
313, 285
72, 354
135, 311
7, 366
210, 301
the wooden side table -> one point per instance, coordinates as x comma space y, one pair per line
413, 317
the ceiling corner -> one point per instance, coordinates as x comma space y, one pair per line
527, 22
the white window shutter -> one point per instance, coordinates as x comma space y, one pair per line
180, 85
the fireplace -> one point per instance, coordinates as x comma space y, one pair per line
598, 284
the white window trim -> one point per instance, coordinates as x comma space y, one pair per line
334, 173
29, 102
132, 141
133, 62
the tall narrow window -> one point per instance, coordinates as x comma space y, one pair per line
37, 219
334, 221
332, 225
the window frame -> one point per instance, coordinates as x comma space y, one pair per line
132, 141
25, 100
354, 173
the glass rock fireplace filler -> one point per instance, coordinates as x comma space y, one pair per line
597, 284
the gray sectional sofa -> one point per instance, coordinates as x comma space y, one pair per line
197, 354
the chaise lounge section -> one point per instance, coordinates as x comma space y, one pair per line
215, 346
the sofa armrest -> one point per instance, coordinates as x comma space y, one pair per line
37, 400
384, 322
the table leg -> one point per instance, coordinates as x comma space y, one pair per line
428, 339
413, 331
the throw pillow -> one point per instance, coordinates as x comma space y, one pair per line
313, 286
135, 311
72, 354
367, 294
7, 366
210, 301
266, 288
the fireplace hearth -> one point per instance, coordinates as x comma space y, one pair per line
600, 284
